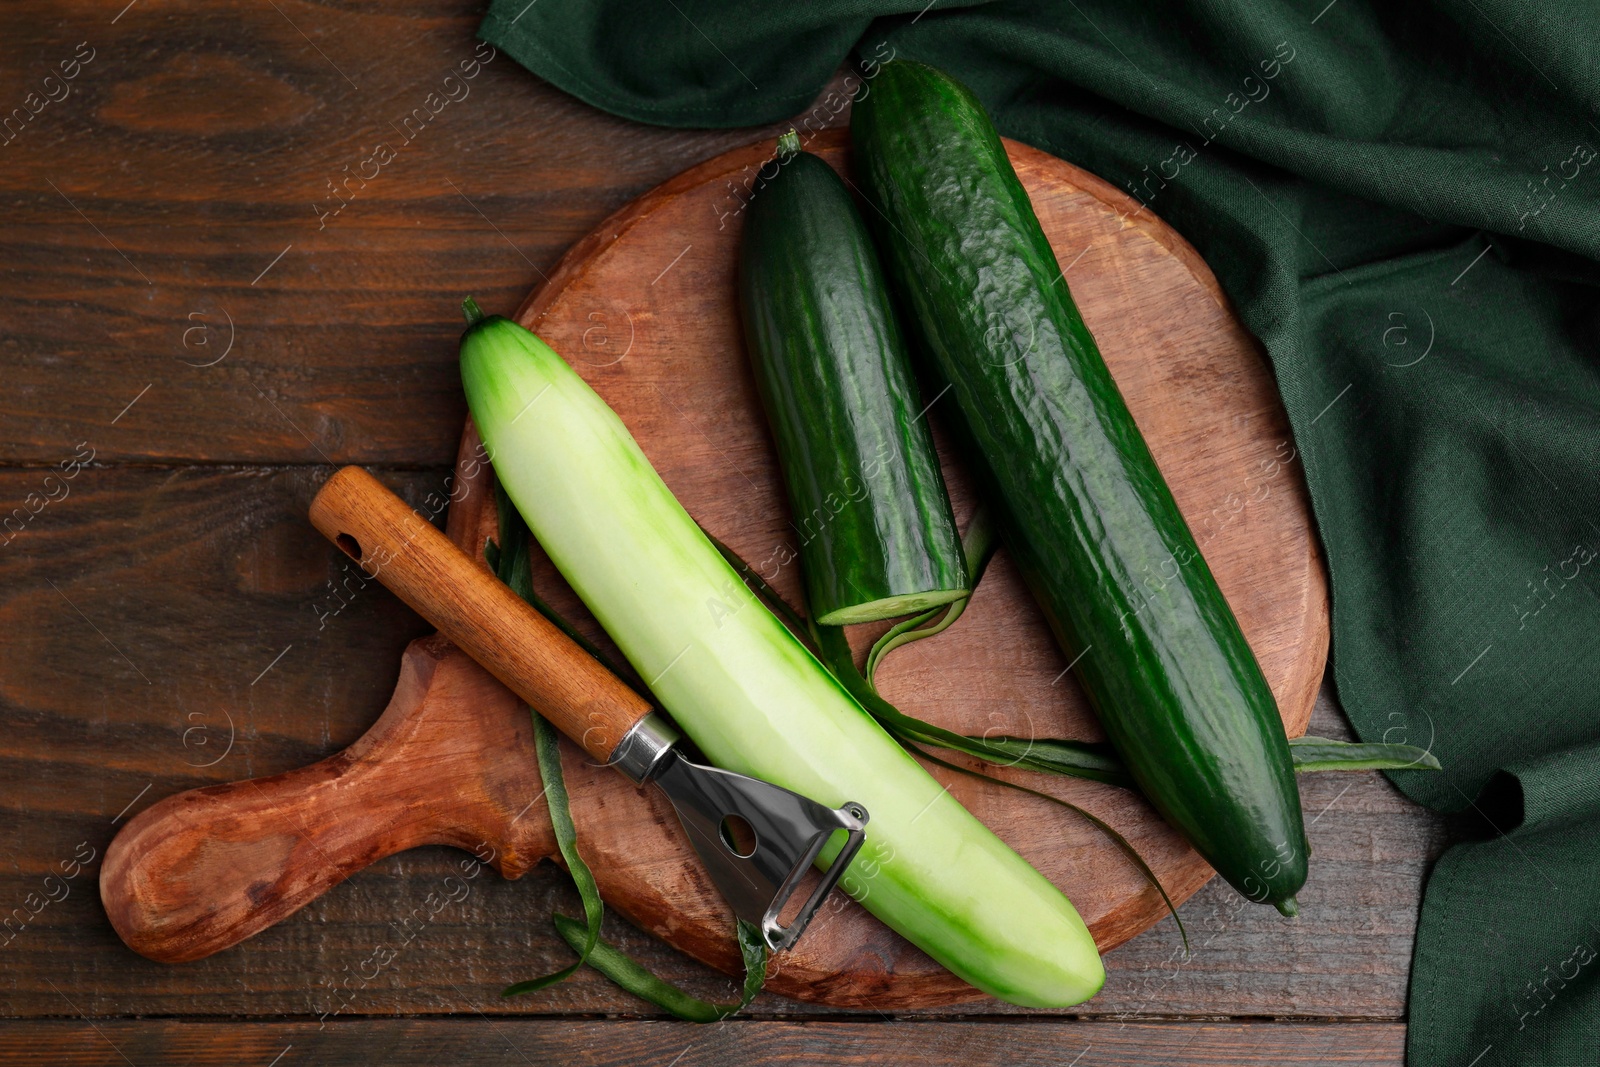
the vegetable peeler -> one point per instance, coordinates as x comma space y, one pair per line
757, 840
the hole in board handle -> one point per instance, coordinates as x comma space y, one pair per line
350, 545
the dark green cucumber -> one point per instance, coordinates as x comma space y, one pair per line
1082, 507
877, 538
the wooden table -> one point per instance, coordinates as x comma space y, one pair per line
192, 336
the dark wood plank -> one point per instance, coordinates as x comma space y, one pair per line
139, 217
196, 579
520, 1042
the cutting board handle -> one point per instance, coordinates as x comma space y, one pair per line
489, 622
203, 870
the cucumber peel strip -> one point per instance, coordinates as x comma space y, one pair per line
514, 568
627, 973
1097, 761
1325, 754
511, 562
978, 545
549, 755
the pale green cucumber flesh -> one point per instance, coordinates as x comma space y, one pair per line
749, 694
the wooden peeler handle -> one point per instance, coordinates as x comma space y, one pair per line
480, 614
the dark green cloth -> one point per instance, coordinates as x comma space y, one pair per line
1404, 204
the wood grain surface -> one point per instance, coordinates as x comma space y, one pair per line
172, 621
519, 1043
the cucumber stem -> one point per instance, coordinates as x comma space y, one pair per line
788, 145
470, 308
1287, 907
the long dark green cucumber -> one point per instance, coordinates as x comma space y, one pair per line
1082, 507
877, 538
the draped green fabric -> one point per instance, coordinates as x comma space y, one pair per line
1404, 204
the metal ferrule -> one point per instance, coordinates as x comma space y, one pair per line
641, 750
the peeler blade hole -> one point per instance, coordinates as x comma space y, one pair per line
738, 836
349, 545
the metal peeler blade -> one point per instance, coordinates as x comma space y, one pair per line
756, 839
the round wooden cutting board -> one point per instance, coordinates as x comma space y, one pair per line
645, 308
